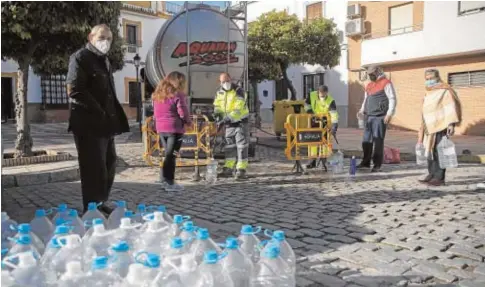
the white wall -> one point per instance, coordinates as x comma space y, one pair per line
34, 92
150, 27
335, 78
444, 33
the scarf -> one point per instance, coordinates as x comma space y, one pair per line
441, 108
93, 49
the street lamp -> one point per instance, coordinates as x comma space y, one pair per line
136, 62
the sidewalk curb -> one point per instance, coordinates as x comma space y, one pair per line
29, 178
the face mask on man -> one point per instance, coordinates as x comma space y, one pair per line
430, 83
102, 46
226, 86
322, 96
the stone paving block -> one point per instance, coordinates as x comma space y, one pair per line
435, 270
322, 258
480, 269
319, 248
327, 269
339, 238
372, 238
471, 283
302, 282
295, 243
455, 263
326, 280
28, 179
311, 232
396, 242
464, 252
312, 240
462, 274
334, 231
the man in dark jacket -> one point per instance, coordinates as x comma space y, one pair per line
96, 116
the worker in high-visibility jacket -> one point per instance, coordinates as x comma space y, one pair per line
320, 102
230, 107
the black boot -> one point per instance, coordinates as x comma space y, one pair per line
367, 149
312, 164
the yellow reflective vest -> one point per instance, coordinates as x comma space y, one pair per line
317, 106
231, 104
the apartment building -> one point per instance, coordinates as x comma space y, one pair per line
139, 21
306, 78
406, 38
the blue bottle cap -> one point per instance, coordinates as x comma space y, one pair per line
24, 228
162, 208
177, 243
121, 246
211, 257
178, 219
121, 203
62, 229
97, 221
40, 213
62, 207
272, 251
24, 239
246, 229
60, 221
128, 213
92, 206
141, 207
100, 262
232, 243
153, 261
188, 226
279, 235
203, 234
72, 213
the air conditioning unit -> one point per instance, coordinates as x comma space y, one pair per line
354, 27
353, 11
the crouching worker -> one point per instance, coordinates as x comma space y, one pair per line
230, 107
320, 103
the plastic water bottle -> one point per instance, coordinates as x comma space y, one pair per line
176, 227
447, 153
53, 246
100, 275
166, 216
155, 219
61, 212
180, 272
89, 232
71, 250
26, 272
141, 211
114, 219
93, 213
100, 240
152, 239
122, 258
23, 243
272, 270
73, 275
285, 251
202, 244
336, 162
135, 276
151, 264
188, 232
353, 167
7, 280
76, 223
237, 264
9, 229
24, 229
250, 242
42, 226
420, 155
212, 272
127, 231
211, 172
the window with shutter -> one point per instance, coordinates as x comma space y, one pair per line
311, 83
467, 79
314, 11
401, 19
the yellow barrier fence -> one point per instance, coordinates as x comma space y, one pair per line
308, 136
196, 142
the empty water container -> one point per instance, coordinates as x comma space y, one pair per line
421, 158
447, 153
42, 226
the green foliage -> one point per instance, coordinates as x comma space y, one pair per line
278, 40
46, 33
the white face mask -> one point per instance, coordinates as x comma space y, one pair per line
103, 46
226, 86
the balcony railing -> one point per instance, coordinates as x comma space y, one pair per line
139, 9
392, 32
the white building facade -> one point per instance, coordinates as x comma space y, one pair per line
307, 77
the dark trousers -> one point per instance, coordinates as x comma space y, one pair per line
97, 166
373, 142
434, 164
171, 145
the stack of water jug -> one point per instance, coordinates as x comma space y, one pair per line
143, 248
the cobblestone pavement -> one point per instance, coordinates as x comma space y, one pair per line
372, 230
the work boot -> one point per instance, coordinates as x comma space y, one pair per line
105, 209
426, 179
312, 164
363, 165
241, 174
226, 172
376, 169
